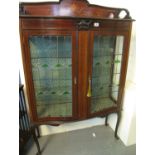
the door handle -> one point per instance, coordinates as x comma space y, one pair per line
89, 88
75, 81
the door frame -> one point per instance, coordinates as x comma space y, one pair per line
126, 35
28, 73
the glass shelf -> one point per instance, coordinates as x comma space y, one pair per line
55, 110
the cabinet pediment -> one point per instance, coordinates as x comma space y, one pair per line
72, 9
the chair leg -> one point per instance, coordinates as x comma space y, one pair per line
117, 124
36, 140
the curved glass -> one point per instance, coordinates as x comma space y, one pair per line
51, 59
107, 59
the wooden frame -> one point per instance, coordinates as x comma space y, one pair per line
28, 75
125, 56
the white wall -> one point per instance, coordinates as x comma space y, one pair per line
127, 128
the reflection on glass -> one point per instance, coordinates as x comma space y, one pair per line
107, 60
52, 74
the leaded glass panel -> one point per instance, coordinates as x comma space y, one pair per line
52, 74
107, 60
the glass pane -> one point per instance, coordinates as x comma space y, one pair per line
107, 58
52, 74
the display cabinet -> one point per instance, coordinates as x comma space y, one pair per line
75, 58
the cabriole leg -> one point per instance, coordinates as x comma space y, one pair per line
106, 120
117, 124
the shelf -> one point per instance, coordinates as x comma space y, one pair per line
101, 96
101, 104
55, 110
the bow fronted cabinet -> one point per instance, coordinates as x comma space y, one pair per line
75, 58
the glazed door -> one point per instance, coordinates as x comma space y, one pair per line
51, 74
105, 72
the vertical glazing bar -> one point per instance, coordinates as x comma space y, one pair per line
112, 68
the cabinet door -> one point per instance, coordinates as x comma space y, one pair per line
50, 70
105, 71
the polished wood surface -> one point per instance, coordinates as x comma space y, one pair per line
76, 18
70, 8
83, 46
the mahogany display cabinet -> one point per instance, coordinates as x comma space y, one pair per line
75, 58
